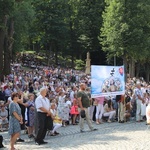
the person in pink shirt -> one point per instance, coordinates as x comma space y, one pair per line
99, 109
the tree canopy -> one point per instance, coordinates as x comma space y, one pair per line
71, 28
126, 30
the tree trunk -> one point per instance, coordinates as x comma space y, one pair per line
8, 48
147, 73
137, 70
147, 76
125, 66
72, 60
132, 68
56, 57
49, 54
2, 38
56, 54
72, 46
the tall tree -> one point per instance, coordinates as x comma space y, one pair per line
24, 17
15, 17
50, 24
6, 8
125, 32
69, 27
90, 17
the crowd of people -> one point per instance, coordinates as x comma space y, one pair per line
43, 100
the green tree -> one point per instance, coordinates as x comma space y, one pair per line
6, 32
90, 18
50, 25
69, 27
14, 23
125, 31
24, 16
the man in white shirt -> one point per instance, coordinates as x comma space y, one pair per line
139, 100
42, 105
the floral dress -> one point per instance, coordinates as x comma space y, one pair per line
14, 124
30, 114
63, 109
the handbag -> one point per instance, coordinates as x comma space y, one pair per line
82, 113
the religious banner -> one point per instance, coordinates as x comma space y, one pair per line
107, 81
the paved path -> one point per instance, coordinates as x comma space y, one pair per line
110, 136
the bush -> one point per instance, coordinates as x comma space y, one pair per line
79, 64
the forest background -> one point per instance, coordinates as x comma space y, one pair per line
115, 32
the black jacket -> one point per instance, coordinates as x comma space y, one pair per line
2, 95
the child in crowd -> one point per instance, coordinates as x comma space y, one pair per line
57, 122
74, 110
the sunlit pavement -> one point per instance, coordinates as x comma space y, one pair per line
109, 136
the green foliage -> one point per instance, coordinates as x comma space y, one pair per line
23, 17
90, 21
6, 7
28, 52
113, 28
67, 29
126, 29
50, 21
79, 64
70, 26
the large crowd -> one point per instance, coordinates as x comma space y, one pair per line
59, 95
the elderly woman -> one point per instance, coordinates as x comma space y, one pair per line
30, 114
63, 109
3, 117
15, 120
